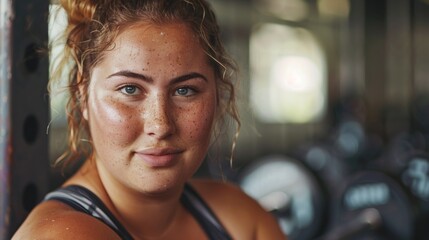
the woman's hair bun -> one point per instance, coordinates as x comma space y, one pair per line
79, 11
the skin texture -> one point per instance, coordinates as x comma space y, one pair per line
154, 117
150, 105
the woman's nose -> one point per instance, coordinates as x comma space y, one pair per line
158, 122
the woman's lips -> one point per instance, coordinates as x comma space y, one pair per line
159, 157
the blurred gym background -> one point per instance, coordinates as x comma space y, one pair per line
334, 103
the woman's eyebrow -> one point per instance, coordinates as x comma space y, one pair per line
188, 76
130, 74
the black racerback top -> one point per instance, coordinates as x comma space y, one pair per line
86, 201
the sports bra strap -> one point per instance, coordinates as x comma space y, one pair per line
83, 200
192, 201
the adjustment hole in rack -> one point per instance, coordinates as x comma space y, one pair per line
31, 129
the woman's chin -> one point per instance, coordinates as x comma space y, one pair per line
159, 184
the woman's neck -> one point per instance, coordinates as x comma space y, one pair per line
145, 216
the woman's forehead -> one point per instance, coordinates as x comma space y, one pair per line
158, 31
177, 38
157, 48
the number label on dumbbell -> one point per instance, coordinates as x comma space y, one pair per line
362, 196
416, 177
373, 205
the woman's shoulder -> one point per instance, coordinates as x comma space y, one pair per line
55, 220
241, 215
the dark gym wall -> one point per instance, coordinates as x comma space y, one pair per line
420, 30
375, 61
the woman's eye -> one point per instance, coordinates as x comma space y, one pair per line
185, 91
129, 90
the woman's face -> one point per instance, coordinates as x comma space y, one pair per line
151, 107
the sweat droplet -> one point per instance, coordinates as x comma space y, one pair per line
162, 33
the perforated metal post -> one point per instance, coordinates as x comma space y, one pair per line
5, 72
24, 163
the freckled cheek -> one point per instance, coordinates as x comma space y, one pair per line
115, 120
198, 122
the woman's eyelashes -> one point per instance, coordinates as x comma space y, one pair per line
133, 90
130, 90
185, 91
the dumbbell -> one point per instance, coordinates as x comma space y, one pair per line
415, 176
348, 139
399, 149
406, 158
372, 205
321, 159
348, 149
289, 190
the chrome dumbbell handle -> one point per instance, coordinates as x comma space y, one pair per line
368, 219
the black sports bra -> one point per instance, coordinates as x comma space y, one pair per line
86, 201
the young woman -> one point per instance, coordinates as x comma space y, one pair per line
150, 84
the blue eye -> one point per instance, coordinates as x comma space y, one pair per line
129, 90
185, 91
182, 91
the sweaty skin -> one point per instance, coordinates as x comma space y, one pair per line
150, 108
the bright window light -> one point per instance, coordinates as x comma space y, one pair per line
288, 82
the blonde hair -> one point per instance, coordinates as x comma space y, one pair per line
93, 26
